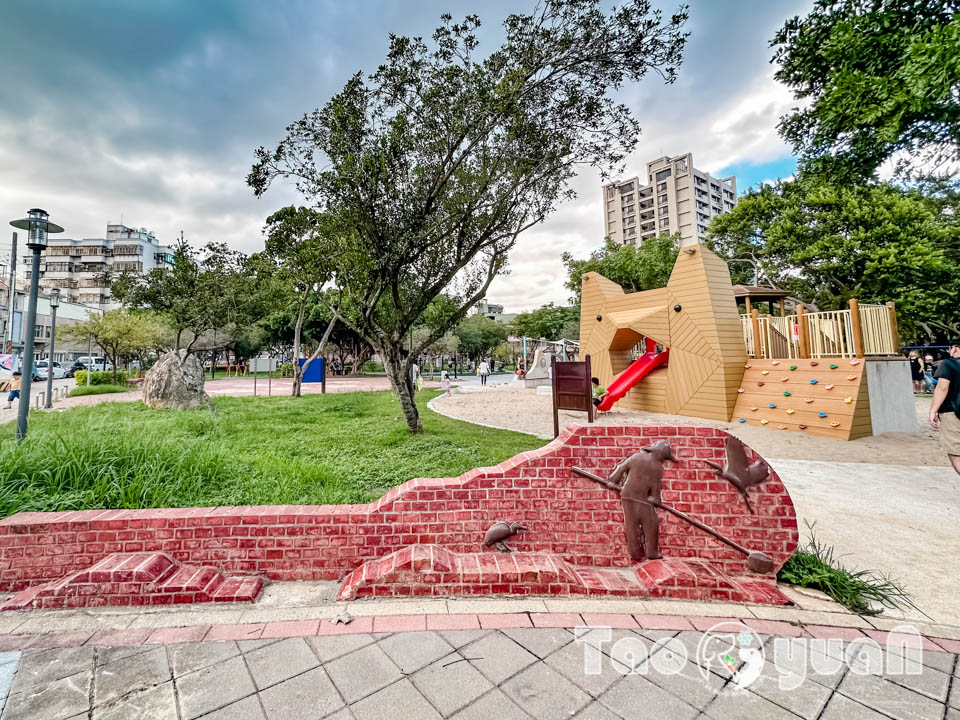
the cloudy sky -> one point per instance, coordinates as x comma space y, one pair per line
149, 110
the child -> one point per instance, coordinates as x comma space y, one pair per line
599, 391
14, 389
445, 382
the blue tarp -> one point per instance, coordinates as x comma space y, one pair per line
314, 372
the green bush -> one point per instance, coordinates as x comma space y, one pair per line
372, 367
97, 390
285, 370
101, 377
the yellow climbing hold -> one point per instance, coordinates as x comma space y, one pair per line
790, 412
764, 422
848, 400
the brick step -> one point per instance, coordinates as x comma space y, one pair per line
137, 579
434, 570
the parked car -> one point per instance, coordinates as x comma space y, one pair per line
94, 363
40, 370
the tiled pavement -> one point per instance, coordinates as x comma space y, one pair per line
479, 673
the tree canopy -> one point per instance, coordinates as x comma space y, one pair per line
549, 322
633, 267
120, 334
434, 164
828, 243
479, 335
877, 79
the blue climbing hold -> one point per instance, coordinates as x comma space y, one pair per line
743, 419
773, 405
813, 382
821, 414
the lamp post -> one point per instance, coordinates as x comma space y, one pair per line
37, 225
54, 304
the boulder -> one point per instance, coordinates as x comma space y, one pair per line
176, 382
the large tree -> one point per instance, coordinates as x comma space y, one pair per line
435, 163
120, 334
633, 267
877, 79
479, 335
549, 322
828, 243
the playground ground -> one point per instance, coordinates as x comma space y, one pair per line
887, 503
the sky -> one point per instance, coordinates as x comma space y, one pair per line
148, 112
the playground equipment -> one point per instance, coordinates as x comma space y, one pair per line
546, 350
835, 373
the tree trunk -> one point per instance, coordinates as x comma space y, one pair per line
297, 372
398, 370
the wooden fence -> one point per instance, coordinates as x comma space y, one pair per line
859, 331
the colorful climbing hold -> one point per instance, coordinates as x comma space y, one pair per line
791, 411
754, 408
748, 365
764, 422
742, 420
808, 400
739, 390
782, 427
786, 393
784, 379
848, 399
854, 362
802, 427
813, 363
821, 414
774, 362
793, 367
829, 387
765, 372
773, 405
759, 384
833, 367
851, 378
834, 423
813, 382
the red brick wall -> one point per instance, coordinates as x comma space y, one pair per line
566, 515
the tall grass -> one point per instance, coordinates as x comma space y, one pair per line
318, 449
81, 390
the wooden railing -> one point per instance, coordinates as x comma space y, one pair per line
859, 331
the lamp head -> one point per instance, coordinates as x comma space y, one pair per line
37, 225
54, 297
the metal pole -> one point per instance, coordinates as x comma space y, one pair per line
13, 288
53, 337
89, 359
26, 365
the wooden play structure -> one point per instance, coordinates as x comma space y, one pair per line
686, 350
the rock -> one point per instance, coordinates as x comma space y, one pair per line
176, 382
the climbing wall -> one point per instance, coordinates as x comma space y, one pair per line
821, 397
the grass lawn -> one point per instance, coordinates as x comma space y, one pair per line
317, 449
81, 390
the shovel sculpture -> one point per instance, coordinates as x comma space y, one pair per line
757, 561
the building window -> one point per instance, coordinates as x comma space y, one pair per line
661, 187
611, 193
681, 166
664, 222
663, 174
627, 198
662, 200
625, 188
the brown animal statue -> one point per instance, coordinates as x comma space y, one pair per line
737, 472
639, 491
499, 532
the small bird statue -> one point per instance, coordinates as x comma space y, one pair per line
498, 533
736, 470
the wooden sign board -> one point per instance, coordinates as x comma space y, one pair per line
571, 389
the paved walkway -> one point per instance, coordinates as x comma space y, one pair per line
614, 670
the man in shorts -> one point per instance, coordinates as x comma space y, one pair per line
14, 390
945, 408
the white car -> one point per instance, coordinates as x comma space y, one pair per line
95, 363
41, 368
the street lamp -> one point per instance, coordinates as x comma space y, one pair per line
54, 304
37, 225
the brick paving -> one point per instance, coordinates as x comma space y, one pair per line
511, 672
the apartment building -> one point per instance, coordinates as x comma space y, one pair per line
676, 198
77, 266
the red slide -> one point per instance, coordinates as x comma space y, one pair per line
638, 370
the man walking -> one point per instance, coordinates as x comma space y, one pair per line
483, 369
945, 408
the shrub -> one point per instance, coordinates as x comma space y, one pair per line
81, 390
101, 377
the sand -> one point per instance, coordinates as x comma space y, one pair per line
523, 410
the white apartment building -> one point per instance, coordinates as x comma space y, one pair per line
76, 266
677, 198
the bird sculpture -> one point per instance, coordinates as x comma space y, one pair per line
499, 532
736, 470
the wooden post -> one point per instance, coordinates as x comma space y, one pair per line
783, 308
747, 303
856, 328
555, 395
590, 406
755, 323
893, 328
803, 339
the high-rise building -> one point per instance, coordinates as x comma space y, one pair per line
677, 198
76, 266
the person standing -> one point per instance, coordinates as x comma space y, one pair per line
916, 372
945, 407
14, 389
929, 382
483, 369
